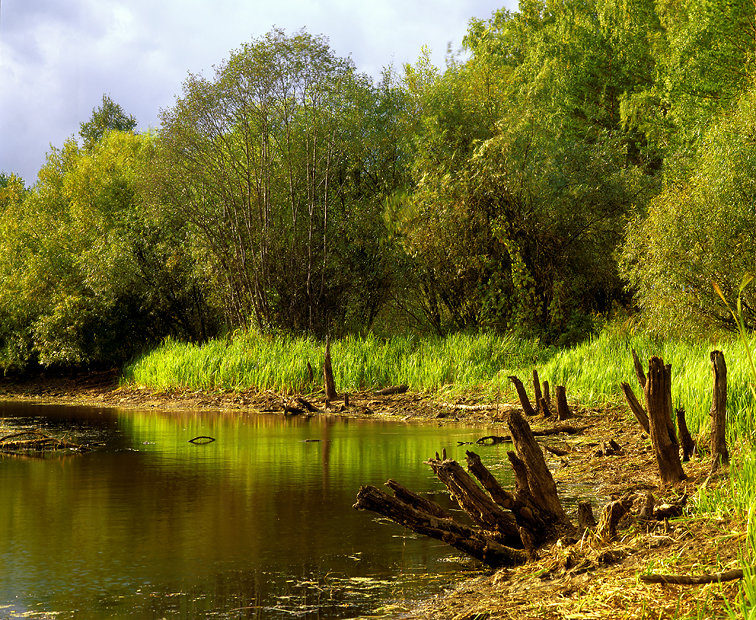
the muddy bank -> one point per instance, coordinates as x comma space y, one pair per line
592, 579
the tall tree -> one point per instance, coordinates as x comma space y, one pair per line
108, 116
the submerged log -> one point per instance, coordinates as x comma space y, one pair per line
658, 393
719, 453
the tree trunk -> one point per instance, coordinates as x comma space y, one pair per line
330, 385
719, 453
523, 396
658, 393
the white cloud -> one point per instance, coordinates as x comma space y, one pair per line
58, 58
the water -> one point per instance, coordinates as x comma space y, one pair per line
257, 524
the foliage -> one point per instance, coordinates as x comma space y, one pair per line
89, 275
699, 230
281, 163
109, 116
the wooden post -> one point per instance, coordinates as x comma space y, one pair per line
563, 409
719, 453
686, 441
522, 395
639, 370
537, 396
658, 392
546, 395
638, 411
330, 385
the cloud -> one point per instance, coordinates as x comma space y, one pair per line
57, 59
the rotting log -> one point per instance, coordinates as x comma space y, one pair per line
719, 453
694, 580
394, 389
479, 544
330, 385
563, 409
686, 441
523, 396
658, 393
638, 411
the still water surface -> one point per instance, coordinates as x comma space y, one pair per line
256, 524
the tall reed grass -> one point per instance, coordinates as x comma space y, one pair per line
459, 364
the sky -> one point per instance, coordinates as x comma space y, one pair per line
58, 57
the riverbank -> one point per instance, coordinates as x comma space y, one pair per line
593, 579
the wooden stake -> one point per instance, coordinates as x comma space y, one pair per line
563, 409
719, 453
330, 385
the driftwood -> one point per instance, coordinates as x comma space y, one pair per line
330, 385
509, 525
567, 429
35, 440
719, 453
658, 393
394, 389
523, 396
638, 411
202, 439
694, 580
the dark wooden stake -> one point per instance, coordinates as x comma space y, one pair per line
719, 453
537, 396
563, 409
639, 370
522, 395
638, 411
686, 441
658, 393
546, 395
330, 385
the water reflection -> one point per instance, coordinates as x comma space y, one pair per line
256, 524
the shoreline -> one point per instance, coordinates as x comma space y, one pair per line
591, 579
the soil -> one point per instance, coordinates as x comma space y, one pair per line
590, 579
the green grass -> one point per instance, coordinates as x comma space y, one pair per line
460, 364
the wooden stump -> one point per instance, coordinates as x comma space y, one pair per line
719, 453
658, 392
537, 396
686, 441
563, 409
330, 385
523, 396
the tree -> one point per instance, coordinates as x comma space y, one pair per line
280, 165
108, 116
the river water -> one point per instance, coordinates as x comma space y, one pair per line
257, 524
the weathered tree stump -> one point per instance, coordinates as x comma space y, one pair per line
638, 411
507, 522
537, 394
719, 453
639, 370
330, 385
546, 395
563, 409
658, 391
523, 396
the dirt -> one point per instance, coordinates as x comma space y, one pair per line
590, 579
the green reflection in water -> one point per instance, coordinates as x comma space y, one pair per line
256, 524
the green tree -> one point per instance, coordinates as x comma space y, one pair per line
107, 117
281, 164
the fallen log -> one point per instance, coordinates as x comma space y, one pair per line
476, 543
394, 389
694, 580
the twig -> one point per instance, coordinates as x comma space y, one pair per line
694, 580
